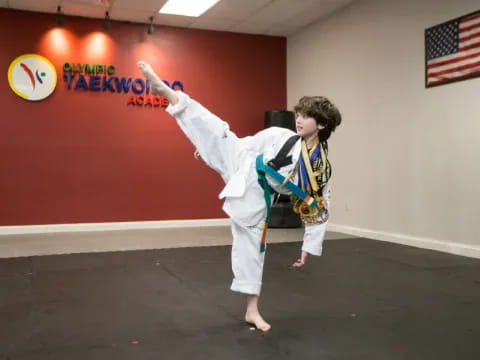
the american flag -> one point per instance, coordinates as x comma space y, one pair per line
453, 50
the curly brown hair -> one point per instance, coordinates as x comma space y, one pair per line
322, 110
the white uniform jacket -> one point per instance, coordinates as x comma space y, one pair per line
234, 158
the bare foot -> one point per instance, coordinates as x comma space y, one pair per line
158, 86
257, 320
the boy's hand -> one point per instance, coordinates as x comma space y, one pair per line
301, 262
196, 155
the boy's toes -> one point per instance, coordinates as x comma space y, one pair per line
142, 65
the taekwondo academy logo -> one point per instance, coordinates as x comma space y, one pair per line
32, 77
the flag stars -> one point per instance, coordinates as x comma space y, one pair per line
442, 40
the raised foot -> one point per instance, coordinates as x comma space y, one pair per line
158, 86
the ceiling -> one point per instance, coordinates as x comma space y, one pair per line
268, 17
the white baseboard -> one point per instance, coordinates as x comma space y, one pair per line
133, 225
424, 243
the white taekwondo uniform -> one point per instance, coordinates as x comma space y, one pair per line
234, 159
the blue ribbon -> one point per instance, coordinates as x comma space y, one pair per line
304, 179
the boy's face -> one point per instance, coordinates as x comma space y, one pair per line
306, 126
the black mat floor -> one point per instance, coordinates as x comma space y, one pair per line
362, 299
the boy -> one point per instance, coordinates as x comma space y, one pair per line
299, 159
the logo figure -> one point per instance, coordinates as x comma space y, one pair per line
32, 77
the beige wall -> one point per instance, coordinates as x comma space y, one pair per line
406, 160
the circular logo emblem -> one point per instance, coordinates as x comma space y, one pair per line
32, 77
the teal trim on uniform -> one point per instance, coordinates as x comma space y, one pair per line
263, 169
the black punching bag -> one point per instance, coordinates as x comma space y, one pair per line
285, 119
282, 215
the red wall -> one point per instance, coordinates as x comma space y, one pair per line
84, 156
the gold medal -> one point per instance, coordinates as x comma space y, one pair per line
307, 213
